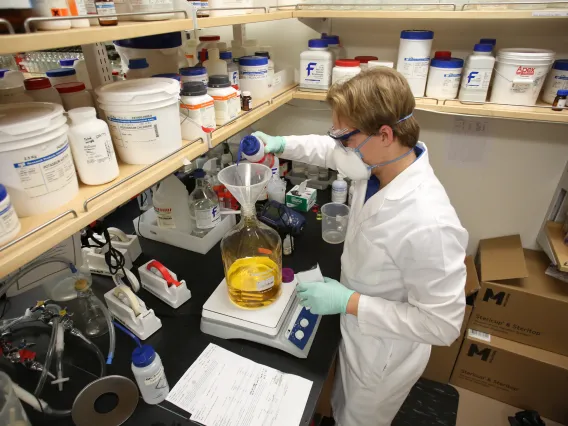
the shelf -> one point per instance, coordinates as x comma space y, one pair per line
252, 18
544, 114
556, 239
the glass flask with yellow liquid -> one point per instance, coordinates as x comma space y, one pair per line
251, 251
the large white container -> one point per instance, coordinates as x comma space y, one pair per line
519, 75
36, 165
149, 6
266, 54
52, 8
197, 111
218, 4
226, 100
39, 88
477, 74
414, 58
344, 69
444, 78
215, 65
253, 73
316, 65
194, 74
138, 68
160, 50
74, 95
143, 117
171, 204
557, 80
9, 222
91, 146
206, 42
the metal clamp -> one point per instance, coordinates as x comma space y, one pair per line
8, 25
498, 3
194, 17
29, 21
39, 228
366, 6
126, 179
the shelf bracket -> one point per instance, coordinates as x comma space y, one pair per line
7, 24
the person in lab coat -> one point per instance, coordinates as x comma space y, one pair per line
402, 269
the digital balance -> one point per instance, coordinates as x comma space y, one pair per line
255, 302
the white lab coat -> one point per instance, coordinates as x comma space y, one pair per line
404, 253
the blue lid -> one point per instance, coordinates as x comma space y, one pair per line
331, 39
67, 62
189, 71
561, 64
483, 47
61, 72
3, 71
225, 55
157, 41
253, 60
199, 173
169, 75
3, 192
491, 41
417, 34
447, 63
562, 92
143, 356
137, 63
250, 145
318, 43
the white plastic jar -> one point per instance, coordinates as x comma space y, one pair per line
197, 111
316, 65
9, 222
206, 42
74, 95
194, 74
143, 117
477, 74
344, 69
61, 75
253, 76
137, 68
226, 99
91, 146
364, 60
444, 78
36, 164
519, 75
51, 9
334, 46
414, 58
39, 88
557, 80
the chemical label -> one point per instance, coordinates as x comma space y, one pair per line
130, 130
521, 85
43, 175
234, 78
415, 67
202, 115
479, 335
91, 8
265, 284
59, 12
226, 108
253, 73
151, 5
207, 219
8, 220
154, 378
98, 149
164, 217
315, 73
477, 79
106, 9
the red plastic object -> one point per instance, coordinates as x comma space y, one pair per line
164, 272
210, 38
443, 54
26, 354
365, 59
347, 63
71, 87
37, 83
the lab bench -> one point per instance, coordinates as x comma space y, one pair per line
179, 342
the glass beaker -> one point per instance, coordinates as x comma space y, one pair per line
251, 251
334, 222
11, 411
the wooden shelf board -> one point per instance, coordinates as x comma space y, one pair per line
31, 247
556, 239
220, 21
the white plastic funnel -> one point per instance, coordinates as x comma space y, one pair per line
245, 181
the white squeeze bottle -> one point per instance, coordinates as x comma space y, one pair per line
253, 151
171, 204
215, 65
477, 74
339, 190
149, 374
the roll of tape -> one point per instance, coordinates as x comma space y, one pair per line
126, 296
115, 232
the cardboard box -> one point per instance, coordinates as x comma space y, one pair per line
443, 358
302, 202
516, 374
517, 300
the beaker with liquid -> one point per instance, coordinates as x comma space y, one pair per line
251, 251
334, 222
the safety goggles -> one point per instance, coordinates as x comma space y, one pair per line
341, 135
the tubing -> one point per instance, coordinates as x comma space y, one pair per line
48, 357
37, 403
59, 345
111, 331
94, 348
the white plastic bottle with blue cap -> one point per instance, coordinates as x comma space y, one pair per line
414, 58
252, 150
316, 65
149, 374
138, 68
9, 222
477, 74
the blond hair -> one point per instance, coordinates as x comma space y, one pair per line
373, 98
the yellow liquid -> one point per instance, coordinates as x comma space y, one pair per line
254, 282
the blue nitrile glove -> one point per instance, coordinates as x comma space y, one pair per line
272, 144
327, 298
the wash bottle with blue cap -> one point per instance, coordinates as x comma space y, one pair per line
252, 150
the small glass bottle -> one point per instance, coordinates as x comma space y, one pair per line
246, 101
204, 210
560, 101
106, 7
91, 319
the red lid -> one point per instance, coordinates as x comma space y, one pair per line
71, 87
365, 59
443, 54
347, 63
209, 38
37, 83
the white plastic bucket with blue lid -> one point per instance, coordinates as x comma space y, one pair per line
36, 165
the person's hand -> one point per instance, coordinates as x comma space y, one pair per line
327, 298
272, 144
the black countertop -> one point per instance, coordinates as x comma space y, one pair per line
179, 342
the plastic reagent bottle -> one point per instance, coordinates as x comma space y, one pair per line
215, 65
315, 66
91, 146
232, 69
171, 204
138, 68
339, 190
204, 209
149, 374
253, 151
477, 74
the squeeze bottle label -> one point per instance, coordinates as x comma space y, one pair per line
133, 129
155, 378
209, 218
